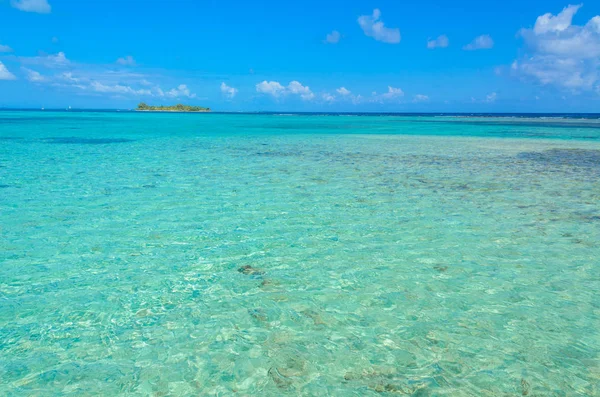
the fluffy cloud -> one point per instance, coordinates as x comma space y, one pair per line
58, 60
50, 61
115, 84
118, 89
57, 72
275, 89
343, 94
327, 97
441, 42
491, 97
270, 87
560, 53
228, 91
420, 98
393, 93
5, 48
298, 89
181, 91
561, 22
483, 42
126, 61
33, 76
333, 37
68, 76
554, 35
39, 6
5, 74
376, 29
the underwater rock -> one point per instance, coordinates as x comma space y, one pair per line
524, 387
281, 381
313, 315
388, 387
258, 314
143, 313
440, 268
267, 282
249, 270
416, 390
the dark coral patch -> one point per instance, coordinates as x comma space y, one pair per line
568, 157
85, 141
249, 270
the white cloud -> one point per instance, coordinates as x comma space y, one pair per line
270, 87
491, 97
561, 22
357, 99
181, 91
333, 37
58, 72
420, 98
5, 48
483, 42
568, 73
59, 59
275, 89
106, 87
298, 89
376, 29
327, 97
555, 37
50, 61
346, 95
39, 6
68, 76
441, 42
117, 89
560, 53
33, 76
5, 74
228, 91
126, 61
393, 93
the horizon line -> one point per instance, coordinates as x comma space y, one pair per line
133, 110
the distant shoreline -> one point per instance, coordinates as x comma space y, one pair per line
549, 117
179, 108
173, 111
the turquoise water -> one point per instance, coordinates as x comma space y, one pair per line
219, 255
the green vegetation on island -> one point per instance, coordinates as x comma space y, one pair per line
177, 108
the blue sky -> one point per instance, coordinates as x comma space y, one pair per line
466, 56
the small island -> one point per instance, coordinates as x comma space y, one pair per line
142, 107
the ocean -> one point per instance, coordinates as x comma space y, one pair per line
150, 254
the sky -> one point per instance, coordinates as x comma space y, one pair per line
352, 55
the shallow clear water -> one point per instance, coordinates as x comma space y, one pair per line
166, 254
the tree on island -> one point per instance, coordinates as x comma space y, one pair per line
177, 108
